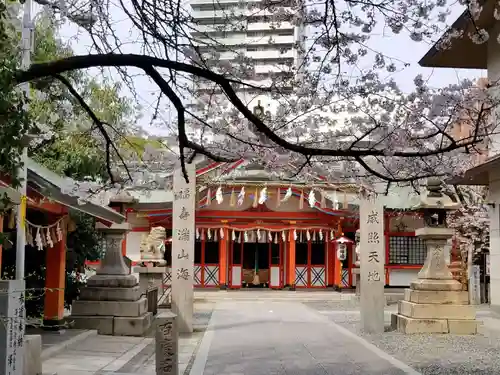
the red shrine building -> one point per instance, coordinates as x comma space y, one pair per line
254, 230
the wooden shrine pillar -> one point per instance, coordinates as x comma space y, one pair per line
223, 260
55, 278
291, 259
337, 280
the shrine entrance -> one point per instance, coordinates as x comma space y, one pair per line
255, 271
310, 262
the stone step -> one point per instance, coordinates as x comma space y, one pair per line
407, 325
436, 311
116, 326
437, 296
110, 294
110, 308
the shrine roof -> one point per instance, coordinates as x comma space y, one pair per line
463, 52
50, 185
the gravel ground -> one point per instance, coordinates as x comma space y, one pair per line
428, 354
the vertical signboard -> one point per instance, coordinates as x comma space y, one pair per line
12, 314
372, 264
183, 237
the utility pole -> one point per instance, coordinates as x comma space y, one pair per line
22, 173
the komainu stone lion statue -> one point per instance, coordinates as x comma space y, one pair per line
153, 245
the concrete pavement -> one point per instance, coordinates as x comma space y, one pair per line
266, 337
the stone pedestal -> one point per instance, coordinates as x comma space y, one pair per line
152, 277
357, 277
167, 347
111, 302
435, 302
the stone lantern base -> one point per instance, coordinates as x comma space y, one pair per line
426, 310
435, 302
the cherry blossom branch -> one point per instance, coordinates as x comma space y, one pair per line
147, 62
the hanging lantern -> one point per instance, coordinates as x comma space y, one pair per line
219, 197
288, 194
263, 196
312, 198
241, 196
342, 247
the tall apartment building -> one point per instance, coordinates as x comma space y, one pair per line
234, 30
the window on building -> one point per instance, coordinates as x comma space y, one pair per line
197, 252
301, 253
236, 253
406, 250
211, 252
317, 252
275, 254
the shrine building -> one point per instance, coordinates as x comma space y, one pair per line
253, 230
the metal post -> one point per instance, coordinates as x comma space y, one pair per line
22, 172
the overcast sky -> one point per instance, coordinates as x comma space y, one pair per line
399, 47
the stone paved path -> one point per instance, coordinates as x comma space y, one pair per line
266, 337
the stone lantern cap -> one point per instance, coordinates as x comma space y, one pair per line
436, 199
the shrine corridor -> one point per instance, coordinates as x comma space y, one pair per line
266, 337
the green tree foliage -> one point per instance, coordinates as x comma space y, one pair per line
67, 142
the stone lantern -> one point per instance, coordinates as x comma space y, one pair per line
435, 302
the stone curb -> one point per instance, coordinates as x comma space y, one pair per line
55, 349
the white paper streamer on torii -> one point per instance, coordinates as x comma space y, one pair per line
49, 238
270, 236
221, 233
258, 234
209, 234
308, 235
233, 236
263, 196
283, 236
245, 236
332, 236
59, 232
241, 196
320, 234
288, 194
197, 234
219, 197
38, 240
295, 234
312, 198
